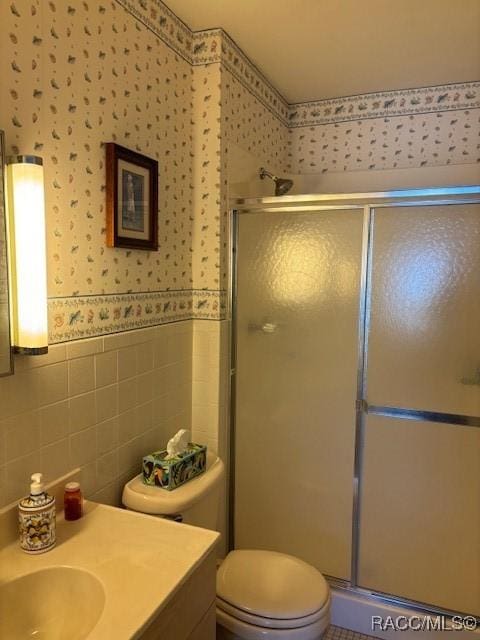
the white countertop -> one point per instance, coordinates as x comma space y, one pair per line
141, 561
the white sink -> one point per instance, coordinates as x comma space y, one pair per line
51, 604
109, 576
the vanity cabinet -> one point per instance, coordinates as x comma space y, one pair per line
190, 612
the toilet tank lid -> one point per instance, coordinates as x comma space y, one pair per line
271, 584
157, 501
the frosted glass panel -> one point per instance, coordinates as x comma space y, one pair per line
424, 347
420, 516
297, 323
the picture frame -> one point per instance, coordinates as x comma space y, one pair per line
132, 199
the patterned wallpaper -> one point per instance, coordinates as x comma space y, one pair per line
77, 74
399, 129
251, 125
207, 173
83, 74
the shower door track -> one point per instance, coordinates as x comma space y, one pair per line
330, 202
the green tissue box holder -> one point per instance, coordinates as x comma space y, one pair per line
172, 473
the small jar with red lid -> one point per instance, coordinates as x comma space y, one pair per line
73, 501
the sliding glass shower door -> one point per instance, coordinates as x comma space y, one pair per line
420, 498
298, 283
357, 389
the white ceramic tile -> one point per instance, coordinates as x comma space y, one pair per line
107, 468
111, 494
55, 459
161, 352
145, 387
106, 369
151, 441
163, 380
83, 447
88, 479
51, 383
82, 412
159, 408
144, 416
203, 370
130, 456
181, 372
205, 393
201, 342
128, 338
212, 445
80, 348
127, 426
81, 375
107, 436
184, 397
206, 418
54, 422
127, 363
127, 394
106, 400
118, 341
145, 356
22, 434
18, 393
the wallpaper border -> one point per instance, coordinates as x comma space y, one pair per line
216, 46
155, 15
401, 102
73, 318
210, 46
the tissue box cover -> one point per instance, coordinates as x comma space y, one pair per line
172, 473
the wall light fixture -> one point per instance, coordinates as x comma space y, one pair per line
27, 254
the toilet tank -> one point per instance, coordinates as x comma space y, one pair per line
197, 501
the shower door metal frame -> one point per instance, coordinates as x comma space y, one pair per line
369, 202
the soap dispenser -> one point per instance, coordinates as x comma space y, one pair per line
36, 515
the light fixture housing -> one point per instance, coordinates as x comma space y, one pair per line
27, 254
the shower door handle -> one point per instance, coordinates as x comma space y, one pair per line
266, 327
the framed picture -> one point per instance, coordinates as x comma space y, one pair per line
132, 199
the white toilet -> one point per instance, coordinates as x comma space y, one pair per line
260, 594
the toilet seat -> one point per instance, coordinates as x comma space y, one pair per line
270, 594
273, 623
246, 631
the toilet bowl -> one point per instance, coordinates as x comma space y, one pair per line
270, 595
261, 595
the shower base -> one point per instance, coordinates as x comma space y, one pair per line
355, 611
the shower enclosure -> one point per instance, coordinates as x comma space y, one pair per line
356, 389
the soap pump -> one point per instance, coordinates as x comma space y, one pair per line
36, 515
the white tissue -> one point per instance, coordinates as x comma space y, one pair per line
178, 443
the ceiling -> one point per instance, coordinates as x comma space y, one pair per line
317, 49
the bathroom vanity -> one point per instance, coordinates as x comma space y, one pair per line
114, 574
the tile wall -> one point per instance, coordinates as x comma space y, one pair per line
98, 404
210, 393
